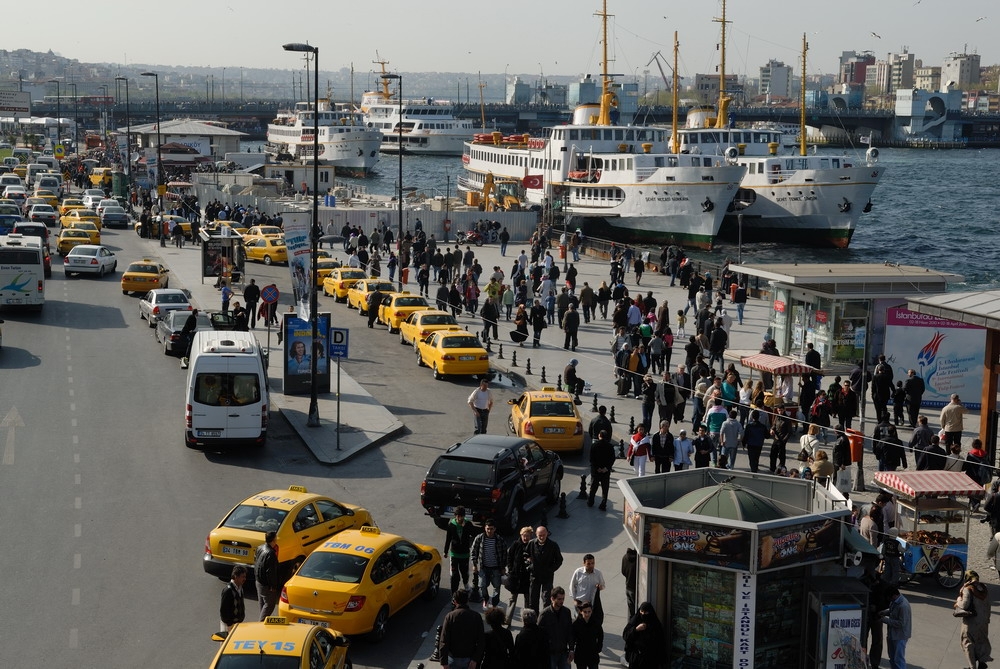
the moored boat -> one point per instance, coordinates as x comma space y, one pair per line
344, 142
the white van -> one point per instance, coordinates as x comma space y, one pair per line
51, 162
227, 399
34, 169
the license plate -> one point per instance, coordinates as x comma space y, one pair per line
12, 300
209, 433
229, 550
466, 357
317, 623
553, 430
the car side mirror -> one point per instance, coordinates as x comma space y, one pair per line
348, 512
512, 402
426, 556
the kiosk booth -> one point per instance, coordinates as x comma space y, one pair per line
748, 570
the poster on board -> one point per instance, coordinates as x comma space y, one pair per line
946, 354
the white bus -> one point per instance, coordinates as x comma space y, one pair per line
22, 272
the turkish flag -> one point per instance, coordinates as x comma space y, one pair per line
533, 181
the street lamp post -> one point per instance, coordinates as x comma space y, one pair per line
58, 108
159, 154
313, 418
76, 117
399, 197
128, 135
104, 111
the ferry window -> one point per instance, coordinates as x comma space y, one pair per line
573, 134
630, 135
608, 134
628, 164
619, 134
836, 162
672, 161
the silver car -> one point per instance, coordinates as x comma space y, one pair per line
90, 259
156, 303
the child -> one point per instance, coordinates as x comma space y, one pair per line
898, 403
681, 320
719, 297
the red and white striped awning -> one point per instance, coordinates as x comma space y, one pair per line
775, 364
934, 483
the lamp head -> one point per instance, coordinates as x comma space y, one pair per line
149, 74
296, 46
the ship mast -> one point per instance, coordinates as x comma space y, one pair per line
674, 143
722, 112
608, 99
802, 100
386, 96
482, 104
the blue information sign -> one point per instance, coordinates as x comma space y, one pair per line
338, 342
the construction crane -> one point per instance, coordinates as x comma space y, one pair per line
658, 59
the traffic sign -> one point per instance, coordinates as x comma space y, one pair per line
59, 151
338, 342
269, 294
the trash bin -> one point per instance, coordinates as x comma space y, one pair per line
732, 290
405, 274
857, 440
562, 252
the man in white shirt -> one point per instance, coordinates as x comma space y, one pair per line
481, 401
585, 583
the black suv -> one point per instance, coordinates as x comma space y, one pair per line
492, 477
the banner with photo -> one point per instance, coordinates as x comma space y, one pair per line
675, 539
299, 246
946, 354
299, 349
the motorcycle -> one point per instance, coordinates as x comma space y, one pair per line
469, 237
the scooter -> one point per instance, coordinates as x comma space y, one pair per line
470, 237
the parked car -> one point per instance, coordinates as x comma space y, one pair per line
168, 328
492, 477
115, 217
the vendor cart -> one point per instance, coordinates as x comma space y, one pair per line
777, 366
933, 523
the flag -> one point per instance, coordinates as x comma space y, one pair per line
865, 139
533, 181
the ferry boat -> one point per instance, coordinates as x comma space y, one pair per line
621, 180
430, 127
799, 198
344, 142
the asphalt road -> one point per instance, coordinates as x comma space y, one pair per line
106, 512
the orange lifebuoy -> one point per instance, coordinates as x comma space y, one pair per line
447, 225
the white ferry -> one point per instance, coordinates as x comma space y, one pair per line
430, 127
619, 177
798, 198
344, 142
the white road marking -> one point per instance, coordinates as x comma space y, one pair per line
72, 406
76, 479
78, 503
76, 597
78, 530
74, 638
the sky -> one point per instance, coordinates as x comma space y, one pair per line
547, 37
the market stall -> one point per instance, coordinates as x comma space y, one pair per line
780, 368
933, 522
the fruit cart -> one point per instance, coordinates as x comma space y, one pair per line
933, 522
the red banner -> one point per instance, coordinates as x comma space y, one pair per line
533, 181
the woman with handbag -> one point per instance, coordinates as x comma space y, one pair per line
520, 333
808, 443
518, 576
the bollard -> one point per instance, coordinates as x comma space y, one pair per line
544, 380
501, 352
583, 487
527, 367
631, 424
562, 506
612, 417
594, 408
621, 449
559, 384
436, 655
576, 399
513, 359
489, 346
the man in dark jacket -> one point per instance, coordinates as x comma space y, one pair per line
571, 326
546, 558
374, 300
682, 383
933, 457
457, 546
573, 383
921, 437
251, 295
754, 435
602, 461
462, 635
882, 388
490, 315
232, 609
914, 388
557, 622
265, 567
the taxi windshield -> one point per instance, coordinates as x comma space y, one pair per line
255, 518
353, 274
460, 342
336, 567
143, 269
259, 661
410, 302
172, 298
564, 409
437, 319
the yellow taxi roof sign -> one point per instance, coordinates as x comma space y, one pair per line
275, 620
369, 529
297, 488
548, 389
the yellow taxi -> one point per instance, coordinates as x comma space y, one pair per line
267, 250
275, 642
453, 352
78, 215
264, 231
419, 324
396, 307
357, 296
143, 276
340, 280
50, 197
101, 177
548, 416
302, 520
154, 225
354, 582
91, 228
70, 237
324, 267
69, 204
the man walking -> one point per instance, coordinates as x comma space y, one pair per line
232, 610
489, 552
898, 621
571, 326
730, 436
602, 461
557, 623
545, 559
914, 388
462, 635
585, 584
265, 569
951, 421
457, 543
481, 401
251, 295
